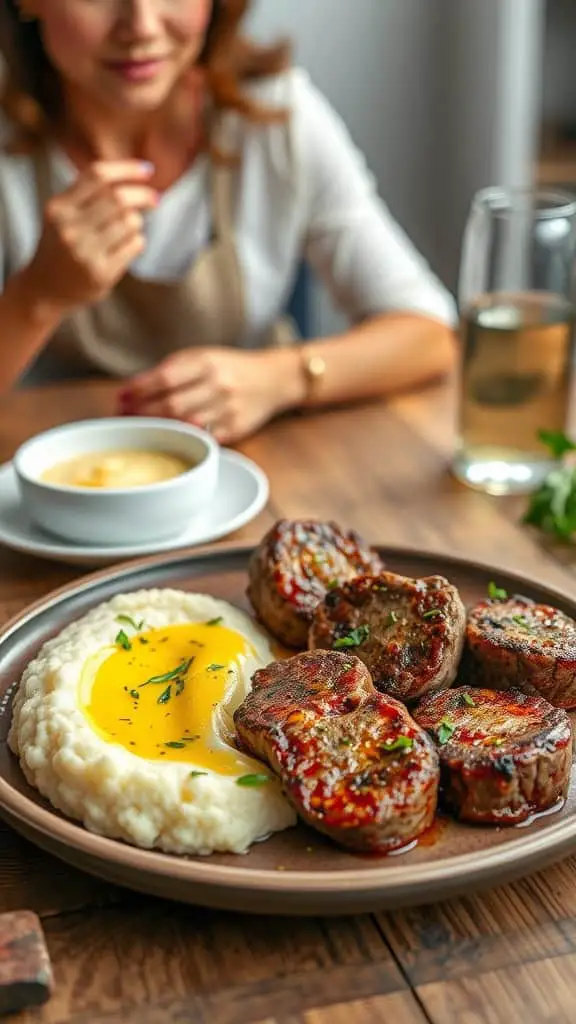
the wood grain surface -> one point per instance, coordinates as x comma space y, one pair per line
503, 957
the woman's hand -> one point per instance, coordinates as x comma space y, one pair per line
90, 234
228, 392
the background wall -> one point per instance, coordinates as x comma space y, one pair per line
443, 96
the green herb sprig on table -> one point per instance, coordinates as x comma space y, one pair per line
552, 507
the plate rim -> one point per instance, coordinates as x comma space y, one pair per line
415, 880
84, 554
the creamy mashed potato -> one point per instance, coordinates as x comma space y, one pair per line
124, 722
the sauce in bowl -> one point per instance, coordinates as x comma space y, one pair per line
117, 469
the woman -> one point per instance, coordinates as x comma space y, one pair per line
160, 182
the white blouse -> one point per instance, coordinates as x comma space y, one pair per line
328, 212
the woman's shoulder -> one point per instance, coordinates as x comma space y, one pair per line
291, 90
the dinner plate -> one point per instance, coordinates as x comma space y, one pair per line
296, 871
241, 493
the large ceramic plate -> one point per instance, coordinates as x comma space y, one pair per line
295, 872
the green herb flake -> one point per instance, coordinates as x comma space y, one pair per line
400, 743
332, 584
166, 696
252, 780
123, 641
392, 619
143, 640
433, 613
446, 730
557, 442
467, 699
496, 593
215, 668
129, 621
353, 639
215, 622
497, 742
175, 745
168, 677
196, 775
521, 621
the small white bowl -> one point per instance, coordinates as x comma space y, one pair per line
130, 515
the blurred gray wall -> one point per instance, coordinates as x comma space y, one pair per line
443, 96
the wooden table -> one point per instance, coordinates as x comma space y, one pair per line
505, 956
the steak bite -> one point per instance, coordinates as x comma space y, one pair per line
295, 565
409, 633
504, 755
352, 762
517, 643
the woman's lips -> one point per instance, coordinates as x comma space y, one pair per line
137, 70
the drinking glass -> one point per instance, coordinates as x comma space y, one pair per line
516, 300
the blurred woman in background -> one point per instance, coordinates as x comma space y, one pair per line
161, 180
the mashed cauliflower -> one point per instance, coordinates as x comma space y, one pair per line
124, 722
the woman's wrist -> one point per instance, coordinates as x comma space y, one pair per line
288, 381
39, 309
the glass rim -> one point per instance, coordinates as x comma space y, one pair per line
562, 202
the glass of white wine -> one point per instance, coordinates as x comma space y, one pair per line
516, 297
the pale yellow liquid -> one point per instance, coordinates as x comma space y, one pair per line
114, 469
517, 354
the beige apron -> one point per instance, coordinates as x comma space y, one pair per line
142, 321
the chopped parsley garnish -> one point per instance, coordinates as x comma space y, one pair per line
196, 775
521, 621
252, 780
400, 743
433, 613
123, 641
134, 694
467, 699
168, 677
496, 593
332, 584
175, 745
214, 622
215, 668
552, 507
165, 696
392, 619
354, 638
446, 730
129, 621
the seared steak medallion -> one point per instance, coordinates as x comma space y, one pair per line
352, 762
516, 643
295, 565
504, 755
409, 633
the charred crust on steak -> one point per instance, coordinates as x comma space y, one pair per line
409, 633
352, 762
294, 568
518, 643
504, 755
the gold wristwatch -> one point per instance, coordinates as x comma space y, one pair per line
313, 368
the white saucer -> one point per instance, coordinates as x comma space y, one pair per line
241, 494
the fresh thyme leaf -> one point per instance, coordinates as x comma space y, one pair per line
400, 743
215, 668
123, 641
134, 694
252, 780
446, 730
180, 684
496, 593
214, 622
433, 613
175, 745
166, 696
354, 638
196, 775
468, 700
557, 442
129, 621
168, 677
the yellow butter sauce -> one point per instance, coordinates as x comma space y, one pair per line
117, 469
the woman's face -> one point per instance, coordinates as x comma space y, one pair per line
126, 54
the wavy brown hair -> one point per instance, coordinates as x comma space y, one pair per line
31, 95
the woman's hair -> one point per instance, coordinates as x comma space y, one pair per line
30, 95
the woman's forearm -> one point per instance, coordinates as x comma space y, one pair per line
26, 324
385, 354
